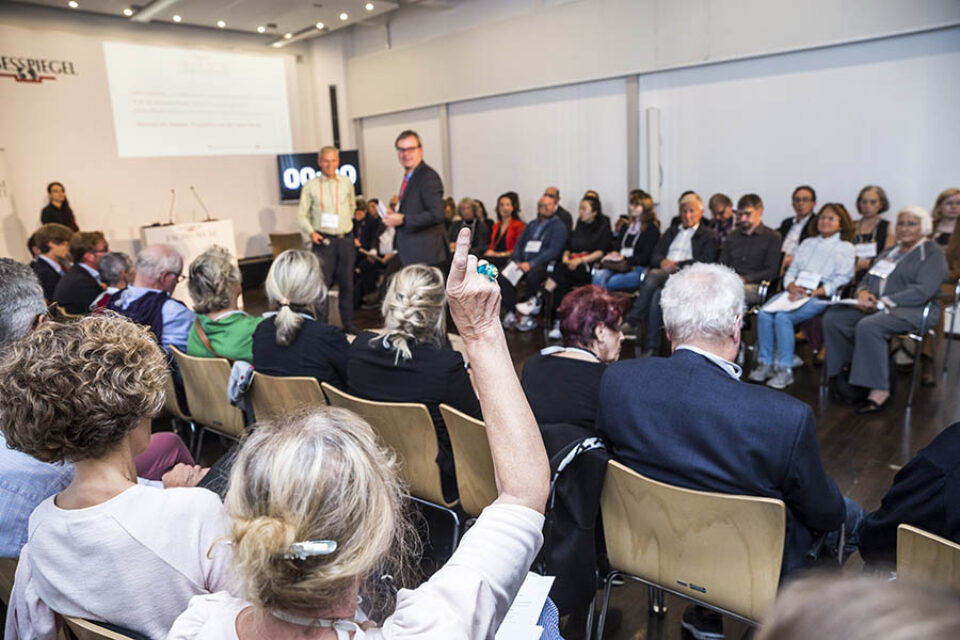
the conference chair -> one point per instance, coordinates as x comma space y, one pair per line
720, 551
205, 381
927, 559
406, 428
86, 630
171, 405
272, 396
476, 481
280, 242
8, 569
953, 325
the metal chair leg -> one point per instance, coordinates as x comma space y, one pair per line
200, 434
607, 586
588, 632
953, 324
657, 604
915, 374
455, 537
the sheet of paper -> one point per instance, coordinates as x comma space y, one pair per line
782, 302
512, 272
850, 301
521, 620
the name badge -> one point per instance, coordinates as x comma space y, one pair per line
533, 246
866, 249
883, 268
808, 280
329, 221
627, 253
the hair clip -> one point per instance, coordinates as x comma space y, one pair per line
309, 548
487, 269
285, 302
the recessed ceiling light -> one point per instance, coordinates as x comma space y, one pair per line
221, 24
128, 12
368, 6
73, 4
344, 16
261, 29
177, 18
277, 45
319, 25
287, 36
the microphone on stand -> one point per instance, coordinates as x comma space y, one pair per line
173, 199
203, 206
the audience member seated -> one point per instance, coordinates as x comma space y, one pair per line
591, 240
540, 244
563, 383
479, 228
753, 249
107, 537
220, 329
721, 216
306, 544
822, 264
795, 230
506, 230
81, 285
366, 219
562, 214
925, 493
409, 360
53, 242
687, 420
116, 271
945, 212
873, 233
291, 340
147, 301
58, 211
890, 300
622, 269
681, 245
861, 608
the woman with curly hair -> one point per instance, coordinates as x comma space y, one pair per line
109, 547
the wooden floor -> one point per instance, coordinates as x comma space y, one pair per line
862, 453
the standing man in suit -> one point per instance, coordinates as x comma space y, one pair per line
719, 434
562, 214
327, 204
796, 229
53, 241
81, 285
421, 236
680, 245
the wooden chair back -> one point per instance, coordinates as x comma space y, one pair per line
718, 549
8, 569
87, 630
273, 395
927, 558
170, 404
205, 381
476, 481
280, 242
406, 428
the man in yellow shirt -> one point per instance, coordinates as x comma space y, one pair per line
326, 215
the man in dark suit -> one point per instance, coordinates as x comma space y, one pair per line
795, 230
679, 246
419, 216
53, 241
81, 285
562, 214
689, 421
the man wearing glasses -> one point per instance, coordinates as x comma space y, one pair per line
419, 214
81, 285
795, 230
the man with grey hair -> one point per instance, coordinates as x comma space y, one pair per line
21, 298
147, 301
116, 271
722, 435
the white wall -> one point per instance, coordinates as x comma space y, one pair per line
875, 112
63, 130
382, 170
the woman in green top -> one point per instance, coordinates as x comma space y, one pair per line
220, 328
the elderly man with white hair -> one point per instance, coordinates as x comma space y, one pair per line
689, 421
890, 300
147, 301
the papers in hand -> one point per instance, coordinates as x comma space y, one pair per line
521, 620
512, 272
381, 210
782, 302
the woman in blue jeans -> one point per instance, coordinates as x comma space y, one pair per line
822, 264
635, 243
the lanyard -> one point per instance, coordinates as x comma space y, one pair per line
336, 203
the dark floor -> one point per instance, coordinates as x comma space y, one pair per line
862, 453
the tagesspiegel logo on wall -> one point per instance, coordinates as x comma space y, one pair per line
34, 70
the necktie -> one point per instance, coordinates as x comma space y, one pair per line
403, 185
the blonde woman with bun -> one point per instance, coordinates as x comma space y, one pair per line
291, 340
409, 360
306, 543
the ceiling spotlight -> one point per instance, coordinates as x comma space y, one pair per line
177, 18
261, 29
287, 36
277, 45
221, 24
344, 16
319, 25
368, 6
128, 12
73, 4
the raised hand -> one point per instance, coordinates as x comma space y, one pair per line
474, 299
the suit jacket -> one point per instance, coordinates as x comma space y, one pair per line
567, 219
77, 290
422, 238
47, 275
704, 243
721, 435
916, 279
804, 233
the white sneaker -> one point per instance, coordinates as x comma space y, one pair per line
555, 331
782, 379
526, 323
797, 361
761, 373
529, 307
510, 321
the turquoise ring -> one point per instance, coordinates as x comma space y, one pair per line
488, 270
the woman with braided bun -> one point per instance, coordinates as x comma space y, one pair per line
307, 545
292, 341
410, 360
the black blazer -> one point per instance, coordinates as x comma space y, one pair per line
77, 290
804, 233
47, 276
704, 244
422, 238
727, 436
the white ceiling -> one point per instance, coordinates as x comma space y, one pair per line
297, 17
